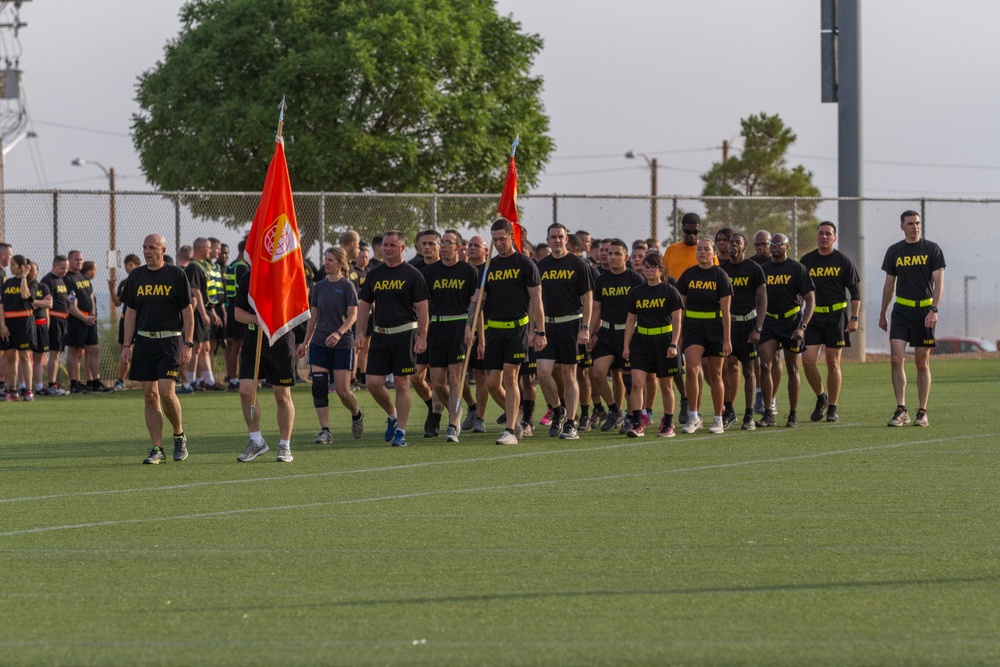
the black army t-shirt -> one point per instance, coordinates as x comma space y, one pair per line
394, 291
157, 297
507, 284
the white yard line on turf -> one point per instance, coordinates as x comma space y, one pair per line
479, 489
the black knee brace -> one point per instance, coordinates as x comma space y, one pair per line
321, 389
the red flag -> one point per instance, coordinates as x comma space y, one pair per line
277, 277
508, 200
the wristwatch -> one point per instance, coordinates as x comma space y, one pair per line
188, 343
585, 327
854, 318
934, 309
804, 326
540, 333
759, 329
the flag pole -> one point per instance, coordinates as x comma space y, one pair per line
475, 326
260, 332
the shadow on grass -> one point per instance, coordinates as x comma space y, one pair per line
666, 592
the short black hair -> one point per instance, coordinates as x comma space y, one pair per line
828, 224
691, 219
502, 225
907, 214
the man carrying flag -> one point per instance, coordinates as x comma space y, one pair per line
273, 298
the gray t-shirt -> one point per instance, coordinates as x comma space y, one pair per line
332, 299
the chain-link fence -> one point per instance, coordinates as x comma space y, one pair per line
40, 224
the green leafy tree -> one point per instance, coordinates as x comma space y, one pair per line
760, 171
383, 96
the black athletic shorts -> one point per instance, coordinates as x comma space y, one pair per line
424, 359
530, 364
392, 354
446, 343
155, 358
828, 329
121, 330
907, 324
202, 331
234, 329
743, 349
706, 333
475, 362
506, 346
649, 354
781, 330
561, 346
22, 336
277, 362
80, 334
57, 334
610, 343
41, 337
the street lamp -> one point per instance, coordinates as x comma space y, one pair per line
651, 163
965, 288
110, 173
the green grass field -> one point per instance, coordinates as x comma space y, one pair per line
830, 544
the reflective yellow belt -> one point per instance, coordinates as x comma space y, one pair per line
830, 309
913, 304
786, 315
703, 315
655, 331
495, 324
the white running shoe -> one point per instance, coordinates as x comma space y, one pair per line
694, 423
252, 451
507, 438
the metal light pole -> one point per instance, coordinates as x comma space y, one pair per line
653, 167
110, 173
965, 288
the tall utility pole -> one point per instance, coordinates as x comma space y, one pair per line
653, 188
840, 41
13, 118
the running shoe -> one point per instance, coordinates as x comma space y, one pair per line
547, 419
900, 418
792, 420
156, 456
508, 438
831, 414
557, 421
646, 418
479, 426
682, 414
28, 396
284, 454
253, 450
324, 437
666, 431
921, 419
585, 425
596, 418
451, 435
636, 432
758, 404
527, 429
390, 429
626, 426
748, 423
612, 420
399, 439
822, 402
767, 419
692, 425
569, 432
470, 421
358, 425
180, 447
184, 390
502, 419
119, 385
717, 428
728, 418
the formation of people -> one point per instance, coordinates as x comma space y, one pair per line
599, 325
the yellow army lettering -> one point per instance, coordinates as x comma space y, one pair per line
82, 284
650, 303
615, 291
154, 290
61, 289
779, 280
504, 274
702, 284
172, 374
740, 281
449, 283
14, 289
406, 371
519, 355
384, 285
915, 260
825, 272
558, 274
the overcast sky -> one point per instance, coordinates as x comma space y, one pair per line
666, 78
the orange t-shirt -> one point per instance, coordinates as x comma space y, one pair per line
678, 258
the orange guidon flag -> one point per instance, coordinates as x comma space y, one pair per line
508, 200
277, 277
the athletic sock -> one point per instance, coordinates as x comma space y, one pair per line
208, 378
728, 406
394, 417
636, 417
584, 411
598, 407
669, 419
528, 408
613, 407
718, 420
256, 437
284, 443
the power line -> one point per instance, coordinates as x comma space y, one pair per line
896, 163
79, 128
619, 156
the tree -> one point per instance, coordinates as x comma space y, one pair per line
760, 171
383, 96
